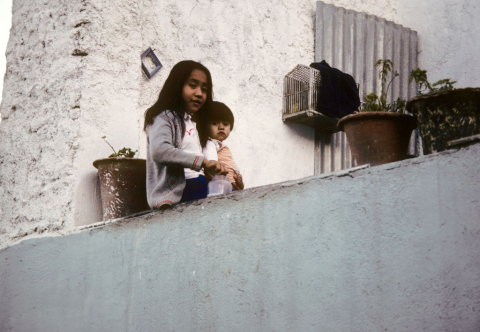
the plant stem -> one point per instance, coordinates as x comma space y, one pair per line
110, 146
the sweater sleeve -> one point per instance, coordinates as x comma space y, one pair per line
161, 136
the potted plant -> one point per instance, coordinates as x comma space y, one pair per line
122, 183
380, 133
443, 113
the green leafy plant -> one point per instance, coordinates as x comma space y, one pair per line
420, 77
375, 103
125, 152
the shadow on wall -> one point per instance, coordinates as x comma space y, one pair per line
88, 201
295, 129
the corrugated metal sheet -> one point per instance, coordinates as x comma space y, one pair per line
352, 42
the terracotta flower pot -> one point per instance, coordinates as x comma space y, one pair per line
377, 138
122, 185
445, 116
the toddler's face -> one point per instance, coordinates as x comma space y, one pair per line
219, 129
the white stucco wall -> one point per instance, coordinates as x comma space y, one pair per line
56, 106
39, 135
448, 32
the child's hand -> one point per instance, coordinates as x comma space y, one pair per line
214, 167
208, 176
238, 185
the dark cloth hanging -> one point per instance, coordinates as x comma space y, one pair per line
338, 95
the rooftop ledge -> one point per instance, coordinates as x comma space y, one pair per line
389, 247
264, 190
242, 193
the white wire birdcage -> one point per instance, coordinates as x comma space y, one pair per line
301, 87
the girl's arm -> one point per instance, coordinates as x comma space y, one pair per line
162, 148
214, 167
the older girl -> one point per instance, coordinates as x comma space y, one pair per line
174, 153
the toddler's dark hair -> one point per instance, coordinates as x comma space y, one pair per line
220, 112
217, 112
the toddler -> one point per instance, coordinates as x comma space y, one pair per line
217, 125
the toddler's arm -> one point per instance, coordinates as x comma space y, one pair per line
210, 151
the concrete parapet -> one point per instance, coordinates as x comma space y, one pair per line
388, 248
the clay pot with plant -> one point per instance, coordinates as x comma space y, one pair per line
380, 133
122, 183
443, 113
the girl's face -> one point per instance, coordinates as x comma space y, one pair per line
194, 91
219, 129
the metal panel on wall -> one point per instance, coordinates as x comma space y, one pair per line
352, 42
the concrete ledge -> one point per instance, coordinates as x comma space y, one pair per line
393, 247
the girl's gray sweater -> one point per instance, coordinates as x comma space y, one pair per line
166, 161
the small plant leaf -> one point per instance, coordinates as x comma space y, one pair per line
375, 103
125, 152
420, 77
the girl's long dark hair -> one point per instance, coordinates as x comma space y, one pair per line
170, 97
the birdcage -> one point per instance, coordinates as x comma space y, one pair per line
301, 88
301, 85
